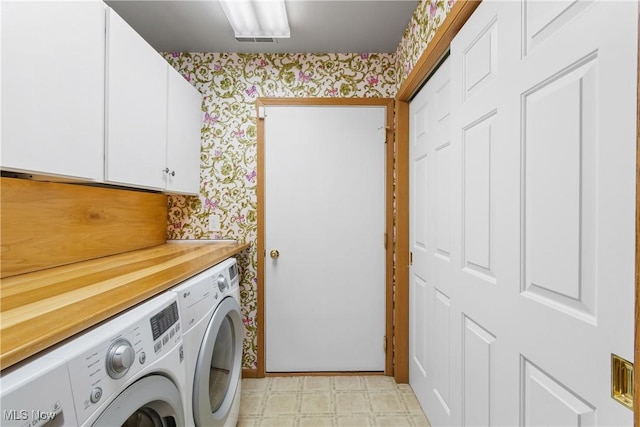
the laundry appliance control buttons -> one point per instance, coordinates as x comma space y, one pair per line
96, 394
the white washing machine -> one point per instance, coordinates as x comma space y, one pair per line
127, 371
209, 305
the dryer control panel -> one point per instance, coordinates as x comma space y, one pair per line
197, 298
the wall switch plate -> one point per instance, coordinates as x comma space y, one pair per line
214, 223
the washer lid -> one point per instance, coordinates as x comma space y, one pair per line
152, 400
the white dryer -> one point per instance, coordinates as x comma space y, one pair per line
209, 305
126, 371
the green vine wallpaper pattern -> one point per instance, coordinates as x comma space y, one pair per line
426, 19
230, 84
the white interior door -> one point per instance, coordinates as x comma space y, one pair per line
430, 236
542, 191
324, 214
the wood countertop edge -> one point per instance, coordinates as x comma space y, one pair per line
55, 324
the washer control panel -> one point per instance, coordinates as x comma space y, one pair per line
164, 325
103, 360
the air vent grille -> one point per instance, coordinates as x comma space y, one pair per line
256, 39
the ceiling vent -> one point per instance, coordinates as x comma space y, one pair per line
256, 39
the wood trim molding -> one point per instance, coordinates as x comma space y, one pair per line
401, 373
389, 170
389, 248
249, 373
427, 62
325, 374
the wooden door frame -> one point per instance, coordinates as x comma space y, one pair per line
429, 59
388, 103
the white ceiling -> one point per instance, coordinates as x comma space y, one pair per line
317, 26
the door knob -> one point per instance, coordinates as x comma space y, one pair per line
274, 254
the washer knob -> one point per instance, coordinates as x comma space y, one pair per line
222, 283
120, 357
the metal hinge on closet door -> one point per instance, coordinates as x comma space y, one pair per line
385, 128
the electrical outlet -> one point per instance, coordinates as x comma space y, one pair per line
214, 223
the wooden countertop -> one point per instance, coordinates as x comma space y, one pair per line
43, 308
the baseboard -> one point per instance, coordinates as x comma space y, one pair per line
323, 374
253, 373
249, 373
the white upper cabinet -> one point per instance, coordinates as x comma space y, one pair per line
153, 117
85, 98
184, 120
53, 59
136, 99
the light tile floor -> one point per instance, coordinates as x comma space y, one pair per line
348, 401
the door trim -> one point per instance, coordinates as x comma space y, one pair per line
389, 220
431, 56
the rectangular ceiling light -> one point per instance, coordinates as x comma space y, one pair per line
257, 18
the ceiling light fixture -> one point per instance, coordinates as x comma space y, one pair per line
257, 18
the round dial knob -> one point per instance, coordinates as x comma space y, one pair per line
222, 283
120, 357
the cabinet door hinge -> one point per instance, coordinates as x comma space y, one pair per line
386, 240
410, 258
384, 343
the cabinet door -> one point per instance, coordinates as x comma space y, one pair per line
53, 59
136, 134
184, 121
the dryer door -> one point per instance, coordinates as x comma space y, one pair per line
151, 401
219, 366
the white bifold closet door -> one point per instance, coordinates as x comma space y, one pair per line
540, 288
325, 215
430, 244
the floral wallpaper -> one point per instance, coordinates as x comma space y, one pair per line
230, 84
426, 19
